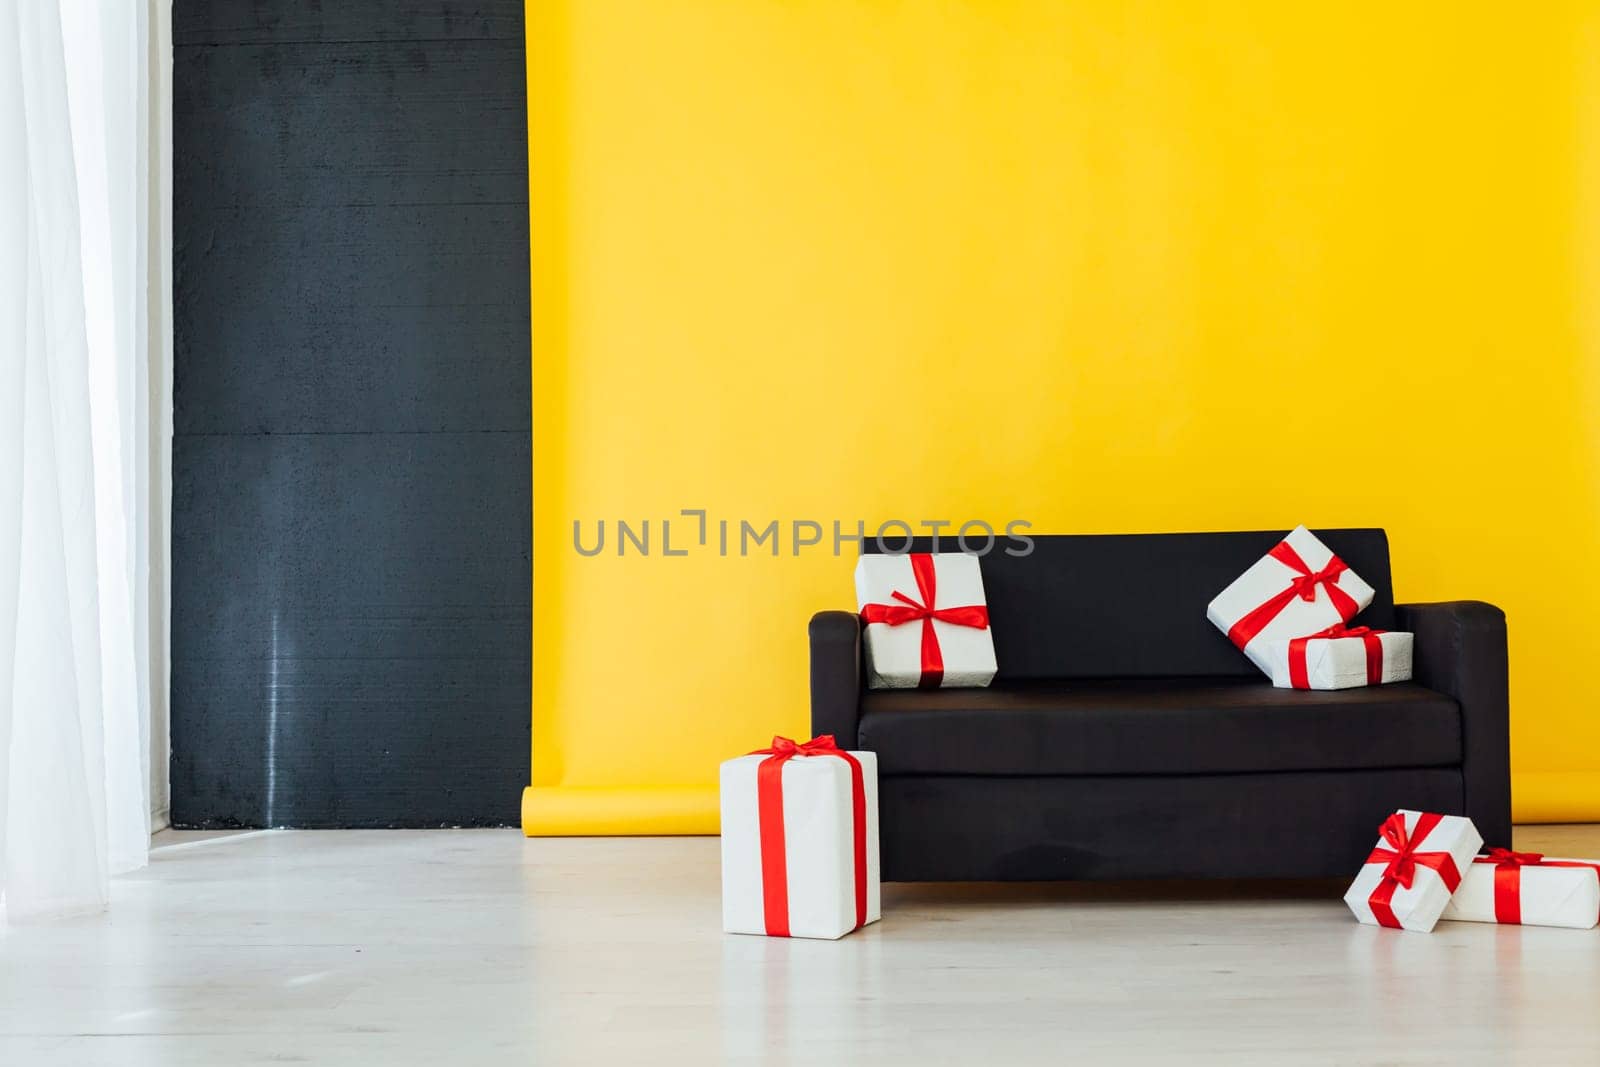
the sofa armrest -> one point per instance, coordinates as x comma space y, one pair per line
836, 676
1460, 650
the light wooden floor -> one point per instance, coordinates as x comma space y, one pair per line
479, 947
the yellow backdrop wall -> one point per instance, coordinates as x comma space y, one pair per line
1100, 266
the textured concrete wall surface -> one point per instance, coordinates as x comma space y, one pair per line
351, 592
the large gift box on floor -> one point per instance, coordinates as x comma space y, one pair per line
1528, 889
800, 840
926, 621
1341, 657
1298, 588
1407, 880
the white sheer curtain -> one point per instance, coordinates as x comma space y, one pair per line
74, 726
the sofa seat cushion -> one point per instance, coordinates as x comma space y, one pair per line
1156, 726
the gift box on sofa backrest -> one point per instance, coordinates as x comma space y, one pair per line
1133, 605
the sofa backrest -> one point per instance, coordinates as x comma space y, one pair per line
1134, 605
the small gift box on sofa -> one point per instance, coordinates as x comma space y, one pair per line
1407, 880
800, 840
1528, 889
925, 621
1341, 657
1298, 588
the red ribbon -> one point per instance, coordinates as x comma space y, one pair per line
774, 860
1508, 879
1401, 861
1299, 674
908, 610
1303, 585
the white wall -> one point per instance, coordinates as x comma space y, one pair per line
156, 542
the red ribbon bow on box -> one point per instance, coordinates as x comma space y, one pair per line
1401, 861
774, 858
908, 610
1299, 673
1504, 857
1304, 585
1508, 879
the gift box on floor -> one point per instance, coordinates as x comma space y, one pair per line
1341, 657
1300, 587
926, 623
1528, 889
1407, 880
800, 840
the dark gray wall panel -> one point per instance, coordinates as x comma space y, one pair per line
351, 467
354, 647
285, 22
393, 122
331, 319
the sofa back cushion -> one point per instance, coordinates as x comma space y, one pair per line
1134, 605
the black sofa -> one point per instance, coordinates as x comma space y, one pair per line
1125, 737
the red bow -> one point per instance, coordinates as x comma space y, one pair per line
1401, 861
908, 610
1504, 857
784, 748
1303, 585
1299, 673
774, 858
1508, 879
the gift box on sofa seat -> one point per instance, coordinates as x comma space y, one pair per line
1124, 736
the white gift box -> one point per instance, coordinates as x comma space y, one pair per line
1266, 602
1341, 662
1545, 893
1439, 847
819, 851
935, 611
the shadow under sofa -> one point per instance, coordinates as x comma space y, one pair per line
1124, 737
